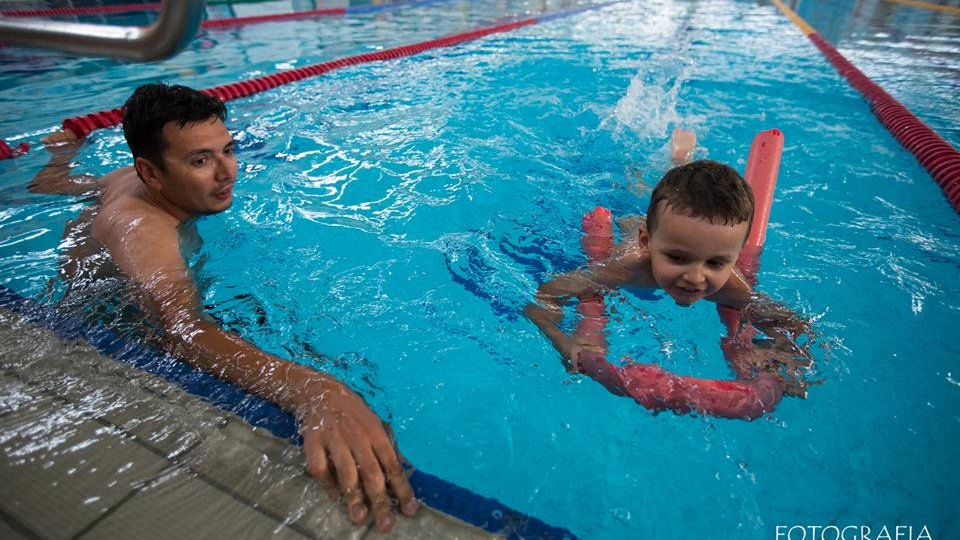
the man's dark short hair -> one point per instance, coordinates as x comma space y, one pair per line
703, 189
153, 105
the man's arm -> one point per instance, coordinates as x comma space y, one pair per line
55, 178
346, 444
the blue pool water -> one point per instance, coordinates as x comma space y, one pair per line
392, 220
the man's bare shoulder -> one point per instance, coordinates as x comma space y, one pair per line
125, 211
118, 176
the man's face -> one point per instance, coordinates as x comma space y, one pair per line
199, 167
692, 258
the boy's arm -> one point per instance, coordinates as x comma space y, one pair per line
55, 178
345, 443
553, 295
777, 321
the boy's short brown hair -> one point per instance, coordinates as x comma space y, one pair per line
703, 189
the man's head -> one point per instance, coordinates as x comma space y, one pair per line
698, 219
182, 150
152, 106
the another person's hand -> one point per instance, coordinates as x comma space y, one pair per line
349, 450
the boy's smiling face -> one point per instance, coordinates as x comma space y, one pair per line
692, 258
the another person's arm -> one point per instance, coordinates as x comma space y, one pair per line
346, 444
55, 177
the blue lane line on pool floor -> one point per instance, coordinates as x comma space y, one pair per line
486, 513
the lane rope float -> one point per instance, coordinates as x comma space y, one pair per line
940, 159
83, 125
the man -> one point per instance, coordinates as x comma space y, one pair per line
185, 167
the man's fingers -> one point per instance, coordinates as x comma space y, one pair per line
317, 464
374, 484
59, 137
347, 479
397, 479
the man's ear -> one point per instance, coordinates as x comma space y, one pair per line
148, 172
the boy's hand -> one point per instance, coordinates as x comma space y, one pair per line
784, 326
790, 364
348, 449
575, 346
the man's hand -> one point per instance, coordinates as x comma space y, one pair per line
55, 178
347, 445
61, 140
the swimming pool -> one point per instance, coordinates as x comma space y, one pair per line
393, 219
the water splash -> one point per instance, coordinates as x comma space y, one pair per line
649, 107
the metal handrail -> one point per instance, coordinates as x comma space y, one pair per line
175, 28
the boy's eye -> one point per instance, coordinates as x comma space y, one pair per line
676, 258
716, 264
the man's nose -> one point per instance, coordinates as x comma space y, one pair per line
226, 168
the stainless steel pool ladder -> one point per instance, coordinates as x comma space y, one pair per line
176, 27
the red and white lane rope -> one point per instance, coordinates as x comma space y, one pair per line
935, 154
84, 124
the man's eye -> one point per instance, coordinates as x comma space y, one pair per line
199, 162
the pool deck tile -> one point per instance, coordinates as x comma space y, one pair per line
52, 457
93, 448
192, 508
8, 532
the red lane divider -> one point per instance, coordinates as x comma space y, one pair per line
253, 19
87, 10
211, 23
936, 155
83, 125
6, 152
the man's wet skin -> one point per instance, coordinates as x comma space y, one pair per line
140, 227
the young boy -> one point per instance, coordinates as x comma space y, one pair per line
697, 222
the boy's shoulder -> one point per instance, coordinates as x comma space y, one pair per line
735, 293
630, 262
